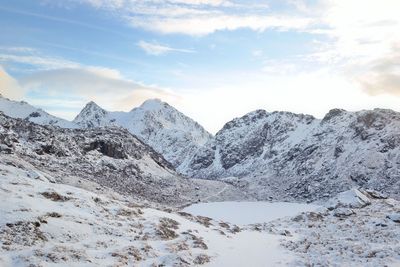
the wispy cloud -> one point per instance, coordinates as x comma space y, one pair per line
200, 17
158, 49
17, 49
53, 18
38, 60
203, 25
33, 57
41, 62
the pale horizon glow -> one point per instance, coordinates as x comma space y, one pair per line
211, 59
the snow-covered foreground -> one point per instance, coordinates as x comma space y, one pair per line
243, 213
43, 223
47, 224
249, 247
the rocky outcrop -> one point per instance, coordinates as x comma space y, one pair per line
111, 157
165, 129
289, 156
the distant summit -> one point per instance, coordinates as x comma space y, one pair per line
23, 110
168, 131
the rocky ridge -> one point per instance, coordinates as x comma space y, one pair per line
111, 157
298, 157
165, 129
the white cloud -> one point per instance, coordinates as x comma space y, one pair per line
203, 25
157, 49
106, 86
55, 78
200, 17
9, 87
14, 49
363, 37
203, 2
39, 61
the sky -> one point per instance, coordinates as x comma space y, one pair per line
211, 59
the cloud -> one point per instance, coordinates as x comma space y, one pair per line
203, 25
383, 77
52, 18
362, 44
55, 78
88, 80
106, 86
203, 2
38, 61
9, 87
157, 49
21, 49
137, 97
32, 57
200, 17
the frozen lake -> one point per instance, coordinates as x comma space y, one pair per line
242, 213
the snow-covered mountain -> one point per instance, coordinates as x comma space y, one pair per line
22, 110
294, 156
100, 196
278, 155
111, 157
165, 129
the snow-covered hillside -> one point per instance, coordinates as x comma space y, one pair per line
165, 129
44, 223
111, 157
293, 156
278, 155
23, 110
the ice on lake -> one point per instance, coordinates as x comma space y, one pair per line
242, 213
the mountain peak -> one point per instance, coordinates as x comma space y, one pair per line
92, 105
153, 103
90, 115
153, 100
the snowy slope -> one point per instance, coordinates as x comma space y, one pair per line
346, 235
288, 156
46, 223
43, 223
111, 157
23, 110
156, 123
278, 155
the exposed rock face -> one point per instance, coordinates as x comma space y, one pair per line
111, 157
293, 156
92, 116
107, 148
278, 155
156, 123
394, 217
